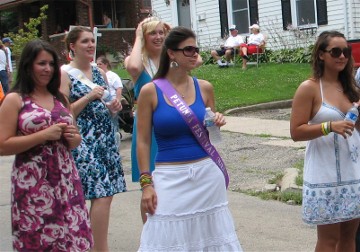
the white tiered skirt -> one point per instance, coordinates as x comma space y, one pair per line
192, 212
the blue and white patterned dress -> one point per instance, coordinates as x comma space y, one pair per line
97, 157
331, 190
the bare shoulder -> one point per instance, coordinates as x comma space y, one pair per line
309, 86
12, 101
204, 84
148, 89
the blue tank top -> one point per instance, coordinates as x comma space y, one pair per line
176, 142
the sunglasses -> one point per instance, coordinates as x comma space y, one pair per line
336, 52
188, 51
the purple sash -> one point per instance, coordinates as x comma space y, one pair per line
193, 122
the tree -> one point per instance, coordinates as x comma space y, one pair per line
30, 32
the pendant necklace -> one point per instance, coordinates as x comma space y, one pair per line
186, 89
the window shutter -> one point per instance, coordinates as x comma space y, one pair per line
286, 13
223, 18
321, 11
254, 14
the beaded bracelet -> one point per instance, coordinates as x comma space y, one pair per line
145, 180
326, 128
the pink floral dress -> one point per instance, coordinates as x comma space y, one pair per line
48, 207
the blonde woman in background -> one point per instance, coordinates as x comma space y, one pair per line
142, 64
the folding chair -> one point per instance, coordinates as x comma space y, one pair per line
260, 50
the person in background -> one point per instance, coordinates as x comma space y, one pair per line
107, 21
47, 204
142, 64
255, 40
7, 43
357, 77
186, 197
4, 77
331, 193
97, 157
115, 88
228, 49
114, 81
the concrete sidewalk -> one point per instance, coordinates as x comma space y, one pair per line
261, 225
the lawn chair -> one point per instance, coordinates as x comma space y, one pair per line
255, 57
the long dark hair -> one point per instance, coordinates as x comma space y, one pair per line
172, 41
25, 84
346, 76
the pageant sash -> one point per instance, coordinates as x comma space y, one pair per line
193, 122
80, 76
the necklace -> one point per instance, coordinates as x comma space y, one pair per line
186, 89
339, 90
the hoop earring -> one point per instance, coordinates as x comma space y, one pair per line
72, 54
174, 64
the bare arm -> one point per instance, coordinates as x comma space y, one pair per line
10, 142
303, 109
133, 63
81, 103
144, 130
207, 92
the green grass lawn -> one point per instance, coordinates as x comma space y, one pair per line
235, 87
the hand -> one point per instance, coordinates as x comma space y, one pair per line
219, 119
54, 132
70, 132
149, 200
344, 128
139, 30
114, 106
96, 93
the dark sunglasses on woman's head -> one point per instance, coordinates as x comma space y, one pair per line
337, 51
188, 51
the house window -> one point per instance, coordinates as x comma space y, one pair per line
303, 13
245, 13
240, 12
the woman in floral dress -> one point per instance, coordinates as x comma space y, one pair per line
97, 158
48, 207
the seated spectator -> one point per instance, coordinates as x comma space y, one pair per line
228, 48
255, 40
107, 21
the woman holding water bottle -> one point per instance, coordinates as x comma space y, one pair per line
185, 199
97, 157
331, 195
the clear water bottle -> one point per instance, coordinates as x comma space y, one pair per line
106, 96
352, 114
214, 131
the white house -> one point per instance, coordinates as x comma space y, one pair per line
285, 23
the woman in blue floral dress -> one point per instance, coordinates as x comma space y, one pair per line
47, 204
97, 158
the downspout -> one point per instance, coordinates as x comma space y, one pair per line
351, 20
346, 19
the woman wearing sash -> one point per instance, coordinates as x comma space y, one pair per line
185, 198
97, 157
